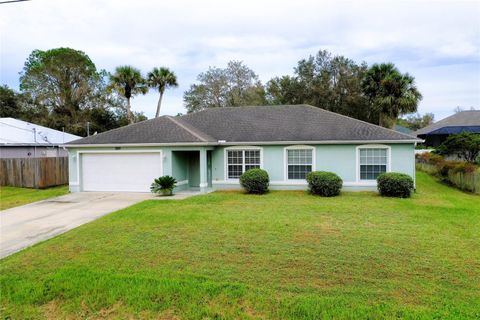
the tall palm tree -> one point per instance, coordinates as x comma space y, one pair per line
390, 92
161, 78
128, 81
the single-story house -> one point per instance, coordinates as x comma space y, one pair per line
463, 121
210, 149
21, 139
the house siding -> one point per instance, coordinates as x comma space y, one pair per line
9, 152
170, 163
341, 159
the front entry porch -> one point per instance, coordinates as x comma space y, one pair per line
192, 169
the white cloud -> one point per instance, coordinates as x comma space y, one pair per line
436, 41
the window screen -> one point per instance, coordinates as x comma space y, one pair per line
299, 163
239, 161
373, 162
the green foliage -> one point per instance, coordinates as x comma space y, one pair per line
128, 81
236, 85
21, 106
463, 175
416, 121
62, 89
379, 94
390, 93
464, 167
63, 79
285, 90
329, 82
255, 181
161, 79
393, 184
9, 103
163, 185
465, 145
323, 183
61, 83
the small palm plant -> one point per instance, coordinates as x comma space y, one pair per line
164, 185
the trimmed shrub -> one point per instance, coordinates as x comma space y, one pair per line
393, 184
255, 181
323, 183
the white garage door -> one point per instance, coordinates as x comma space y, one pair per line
120, 171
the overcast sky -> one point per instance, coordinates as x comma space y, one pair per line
438, 42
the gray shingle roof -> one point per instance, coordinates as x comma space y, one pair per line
461, 119
291, 123
159, 130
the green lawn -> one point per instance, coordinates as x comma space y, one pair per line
12, 197
285, 255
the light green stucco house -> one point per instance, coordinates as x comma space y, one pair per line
210, 149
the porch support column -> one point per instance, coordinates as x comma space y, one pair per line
203, 170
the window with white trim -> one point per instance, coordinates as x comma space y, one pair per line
299, 163
239, 161
373, 162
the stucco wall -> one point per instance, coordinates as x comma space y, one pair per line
170, 167
341, 159
179, 163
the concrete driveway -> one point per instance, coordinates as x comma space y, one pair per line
26, 225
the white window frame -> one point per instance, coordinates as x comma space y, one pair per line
357, 162
285, 160
239, 148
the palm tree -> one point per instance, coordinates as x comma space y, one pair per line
128, 81
161, 78
390, 92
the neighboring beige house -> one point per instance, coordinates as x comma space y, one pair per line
21, 139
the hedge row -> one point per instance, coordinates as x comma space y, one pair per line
328, 184
463, 175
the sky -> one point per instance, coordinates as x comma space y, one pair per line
438, 42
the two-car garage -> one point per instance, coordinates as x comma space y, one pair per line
119, 171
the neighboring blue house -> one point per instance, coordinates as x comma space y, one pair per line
463, 121
212, 148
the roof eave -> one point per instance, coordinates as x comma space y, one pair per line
323, 142
169, 144
31, 144
233, 143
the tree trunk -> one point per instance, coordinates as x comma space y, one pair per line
383, 121
159, 104
129, 112
386, 121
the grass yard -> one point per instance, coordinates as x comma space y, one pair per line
12, 197
285, 255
